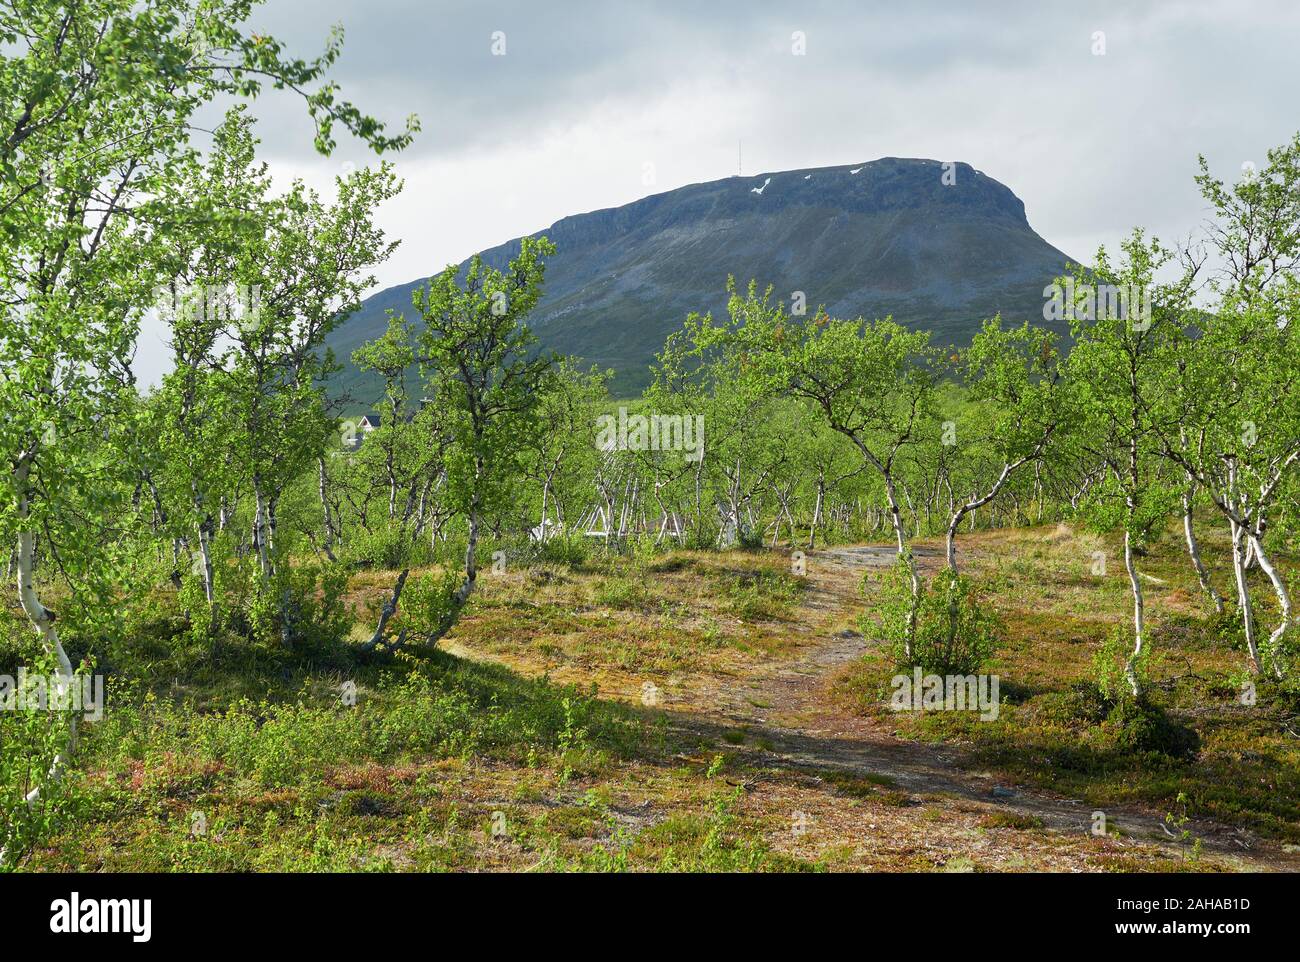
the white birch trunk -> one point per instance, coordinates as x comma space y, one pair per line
1139, 616
1283, 600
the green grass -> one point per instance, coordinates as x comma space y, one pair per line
763, 594
258, 763
241, 755
1056, 732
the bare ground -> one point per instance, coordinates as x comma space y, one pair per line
794, 749
785, 706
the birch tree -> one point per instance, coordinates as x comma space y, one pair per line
1015, 382
97, 102
476, 356
1121, 357
310, 268
1238, 439
872, 381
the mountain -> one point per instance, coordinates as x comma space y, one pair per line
886, 237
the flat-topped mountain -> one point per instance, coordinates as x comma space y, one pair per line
885, 237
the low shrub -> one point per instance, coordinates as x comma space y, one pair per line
955, 632
1138, 725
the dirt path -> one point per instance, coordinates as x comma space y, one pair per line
793, 725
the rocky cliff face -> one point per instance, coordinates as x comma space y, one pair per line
886, 237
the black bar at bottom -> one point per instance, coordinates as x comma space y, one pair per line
336, 912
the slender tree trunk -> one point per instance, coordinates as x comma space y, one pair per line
43, 621
260, 530
264, 524
386, 613
1139, 616
331, 536
546, 498
462, 594
900, 535
466, 588
1243, 596
1038, 491
205, 559
817, 514
205, 543
975, 504
1194, 551
1284, 603
1130, 564
392, 484
904, 555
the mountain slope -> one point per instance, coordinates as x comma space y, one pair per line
887, 237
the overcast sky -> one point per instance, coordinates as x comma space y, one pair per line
596, 104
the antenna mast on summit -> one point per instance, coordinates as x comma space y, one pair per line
740, 167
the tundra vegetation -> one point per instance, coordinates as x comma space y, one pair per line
437, 637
